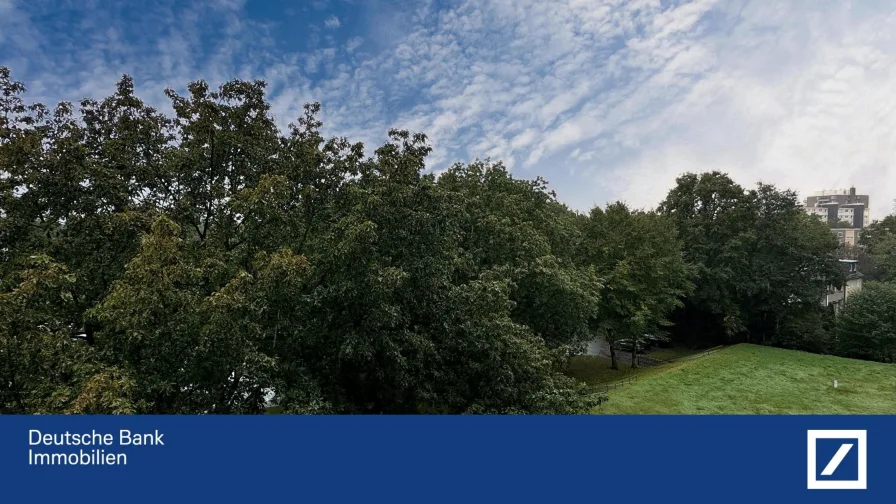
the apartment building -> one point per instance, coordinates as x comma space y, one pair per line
838, 295
838, 205
844, 210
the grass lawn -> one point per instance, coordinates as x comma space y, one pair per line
750, 379
667, 354
593, 370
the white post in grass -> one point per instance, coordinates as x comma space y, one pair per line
835, 383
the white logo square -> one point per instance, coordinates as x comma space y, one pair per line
860, 483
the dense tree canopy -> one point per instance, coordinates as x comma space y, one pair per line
876, 231
878, 242
760, 259
866, 328
206, 262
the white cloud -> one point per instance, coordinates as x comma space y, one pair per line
353, 44
332, 22
16, 29
824, 119
606, 98
229, 4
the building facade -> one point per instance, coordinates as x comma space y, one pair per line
840, 206
838, 295
847, 236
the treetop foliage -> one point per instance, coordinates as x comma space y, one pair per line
207, 262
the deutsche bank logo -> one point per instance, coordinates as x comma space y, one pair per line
838, 460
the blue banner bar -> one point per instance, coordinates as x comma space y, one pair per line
718, 459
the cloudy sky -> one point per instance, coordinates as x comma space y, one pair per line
607, 99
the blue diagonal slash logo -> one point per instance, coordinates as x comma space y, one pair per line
837, 459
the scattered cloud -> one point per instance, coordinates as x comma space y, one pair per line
353, 44
607, 99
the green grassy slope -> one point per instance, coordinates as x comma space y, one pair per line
596, 370
593, 370
750, 379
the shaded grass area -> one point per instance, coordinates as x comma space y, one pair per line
593, 370
751, 379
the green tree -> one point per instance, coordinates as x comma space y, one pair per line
874, 232
42, 368
878, 240
792, 264
79, 190
810, 330
638, 256
712, 215
395, 321
188, 351
518, 229
884, 258
866, 328
759, 258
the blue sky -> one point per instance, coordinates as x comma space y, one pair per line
606, 99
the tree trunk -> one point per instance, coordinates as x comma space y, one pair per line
634, 352
613, 364
89, 334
